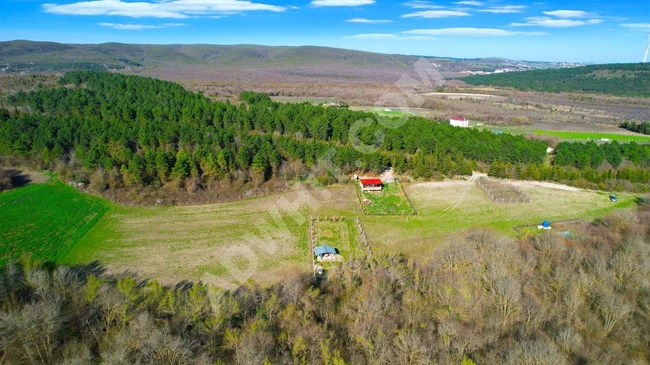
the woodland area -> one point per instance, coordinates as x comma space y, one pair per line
481, 298
128, 132
608, 166
629, 79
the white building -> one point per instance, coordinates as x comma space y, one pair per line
459, 122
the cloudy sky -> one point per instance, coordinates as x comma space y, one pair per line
579, 31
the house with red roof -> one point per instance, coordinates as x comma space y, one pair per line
372, 184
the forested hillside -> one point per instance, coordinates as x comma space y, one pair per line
619, 79
118, 131
148, 132
482, 299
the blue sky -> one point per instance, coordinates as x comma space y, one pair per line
578, 31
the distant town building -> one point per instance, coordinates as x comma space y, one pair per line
459, 122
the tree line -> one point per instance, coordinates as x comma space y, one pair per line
642, 127
480, 298
121, 131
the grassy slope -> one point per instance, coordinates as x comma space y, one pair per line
443, 210
175, 243
172, 243
46, 220
186, 242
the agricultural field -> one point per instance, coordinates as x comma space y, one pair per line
261, 238
46, 220
389, 201
623, 136
451, 206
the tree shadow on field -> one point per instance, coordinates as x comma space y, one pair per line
12, 178
94, 268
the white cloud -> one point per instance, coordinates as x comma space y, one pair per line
569, 14
481, 32
342, 2
555, 23
122, 26
386, 36
637, 26
421, 4
372, 36
369, 21
436, 14
505, 9
469, 2
159, 9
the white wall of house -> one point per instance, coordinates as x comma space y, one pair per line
459, 123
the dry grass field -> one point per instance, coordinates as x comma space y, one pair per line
266, 238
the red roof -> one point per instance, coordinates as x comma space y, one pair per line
371, 182
459, 118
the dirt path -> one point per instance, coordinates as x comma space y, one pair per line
471, 180
466, 96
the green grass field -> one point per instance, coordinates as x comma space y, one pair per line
45, 220
594, 136
389, 201
342, 235
571, 135
444, 209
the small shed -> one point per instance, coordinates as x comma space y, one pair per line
371, 184
324, 250
327, 253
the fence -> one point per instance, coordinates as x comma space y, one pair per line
501, 192
364, 209
401, 188
311, 247
364, 240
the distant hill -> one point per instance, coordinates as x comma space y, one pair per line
626, 79
28, 56
18, 56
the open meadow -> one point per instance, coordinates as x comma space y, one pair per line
266, 237
606, 133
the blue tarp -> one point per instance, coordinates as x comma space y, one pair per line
321, 250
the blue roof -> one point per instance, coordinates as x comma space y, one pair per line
321, 250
